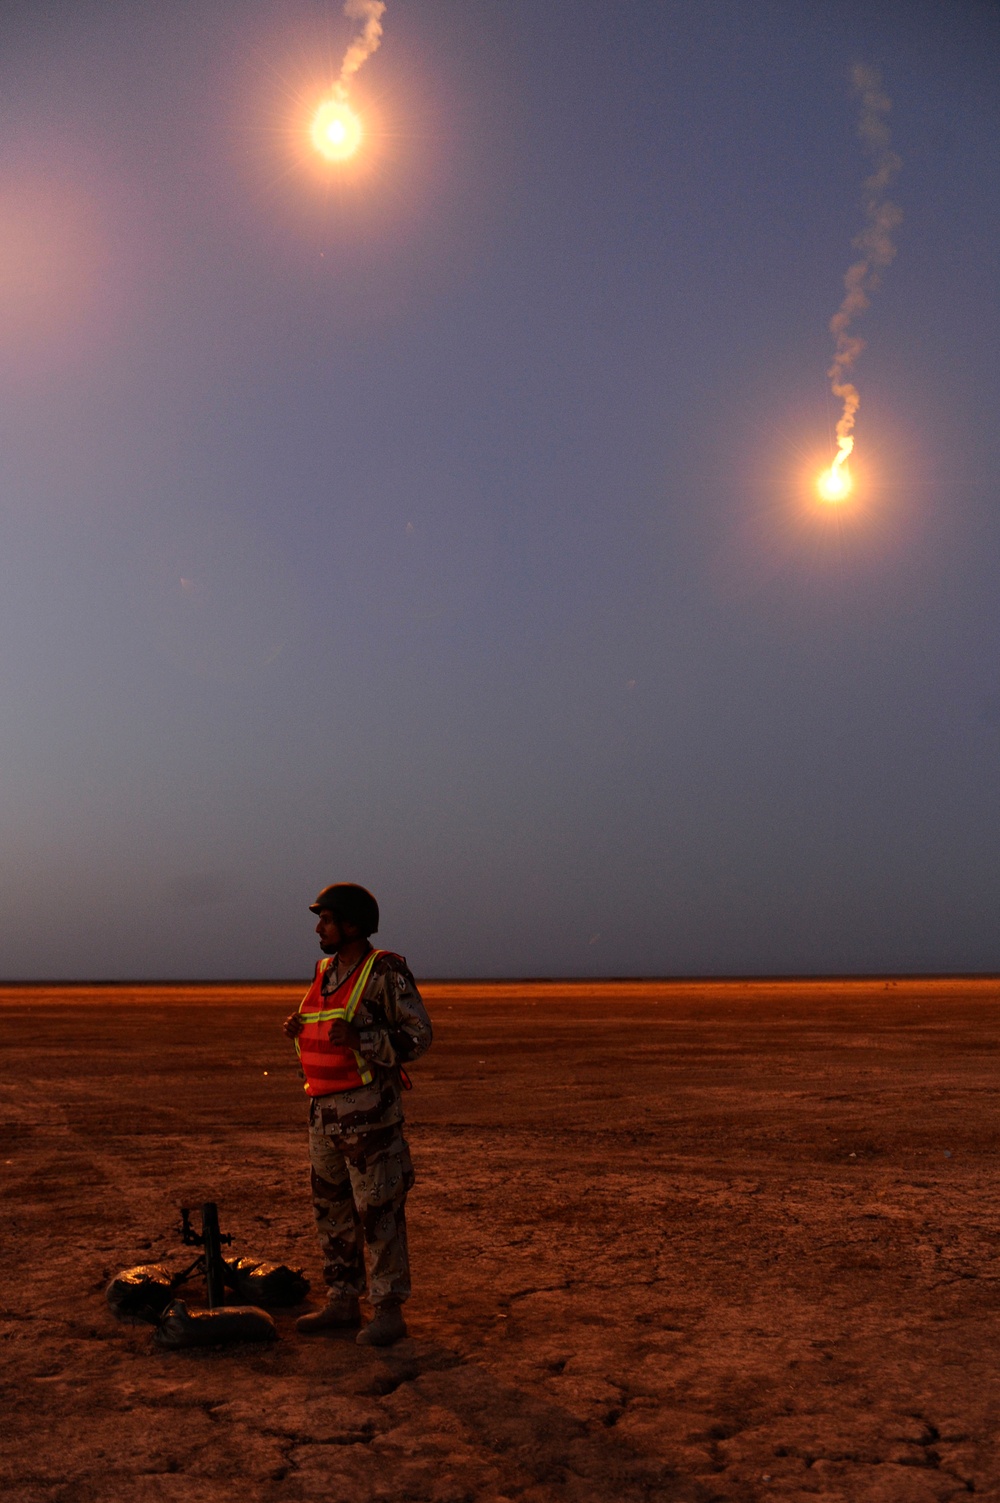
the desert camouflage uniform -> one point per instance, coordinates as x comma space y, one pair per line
361, 1168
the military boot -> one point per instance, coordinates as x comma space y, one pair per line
340, 1313
386, 1326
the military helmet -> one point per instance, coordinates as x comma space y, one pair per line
348, 900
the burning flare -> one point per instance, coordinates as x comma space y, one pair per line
336, 130
835, 483
877, 251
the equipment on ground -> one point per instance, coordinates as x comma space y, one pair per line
146, 1292
180, 1327
211, 1239
272, 1284
142, 1293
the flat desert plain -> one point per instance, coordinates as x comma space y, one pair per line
671, 1241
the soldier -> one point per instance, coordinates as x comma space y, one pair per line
360, 1022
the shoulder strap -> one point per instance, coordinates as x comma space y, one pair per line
358, 988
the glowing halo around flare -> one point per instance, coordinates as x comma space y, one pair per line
336, 130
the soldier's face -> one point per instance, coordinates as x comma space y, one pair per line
333, 932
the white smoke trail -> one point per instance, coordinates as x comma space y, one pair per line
370, 12
875, 245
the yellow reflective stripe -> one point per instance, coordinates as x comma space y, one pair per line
362, 1065
360, 984
327, 1014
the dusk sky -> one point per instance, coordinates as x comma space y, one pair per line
445, 521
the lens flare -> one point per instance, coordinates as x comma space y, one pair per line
336, 130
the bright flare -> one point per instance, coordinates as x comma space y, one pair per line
835, 483
336, 130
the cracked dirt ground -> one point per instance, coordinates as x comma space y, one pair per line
672, 1241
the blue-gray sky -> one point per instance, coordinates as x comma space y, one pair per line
445, 525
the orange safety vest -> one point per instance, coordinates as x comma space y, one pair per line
332, 1067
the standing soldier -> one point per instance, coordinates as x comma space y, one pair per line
359, 1023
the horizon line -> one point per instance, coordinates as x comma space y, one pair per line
734, 978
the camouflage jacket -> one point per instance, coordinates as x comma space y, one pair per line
391, 1017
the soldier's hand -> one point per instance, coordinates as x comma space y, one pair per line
342, 1033
293, 1026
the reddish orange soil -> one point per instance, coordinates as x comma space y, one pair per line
670, 1242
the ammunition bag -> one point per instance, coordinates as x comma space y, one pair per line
141, 1293
180, 1327
272, 1284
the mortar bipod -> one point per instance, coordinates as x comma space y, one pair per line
211, 1240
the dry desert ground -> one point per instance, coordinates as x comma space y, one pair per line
671, 1241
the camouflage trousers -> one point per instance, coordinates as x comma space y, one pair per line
360, 1180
